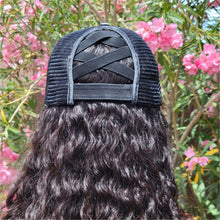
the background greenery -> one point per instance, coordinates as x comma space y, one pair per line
186, 100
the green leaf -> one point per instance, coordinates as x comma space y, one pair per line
183, 147
213, 170
214, 158
213, 210
207, 146
174, 17
13, 130
189, 9
189, 44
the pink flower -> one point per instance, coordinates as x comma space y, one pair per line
177, 40
28, 132
7, 175
204, 143
159, 35
152, 42
38, 4
149, 37
203, 161
143, 6
34, 77
181, 81
170, 38
208, 48
210, 111
207, 90
143, 27
9, 154
216, 3
189, 65
157, 25
190, 164
209, 60
159, 67
11, 53
35, 43
18, 38
189, 153
72, 7
119, 7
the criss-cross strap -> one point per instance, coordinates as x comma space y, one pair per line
115, 42
101, 61
115, 67
94, 38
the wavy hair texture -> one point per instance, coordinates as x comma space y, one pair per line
96, 160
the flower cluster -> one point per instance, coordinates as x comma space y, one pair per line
28, 132
119, 6
142, 6
15, 46
157, 35
214, 3
208, 61
7, 156
202, 161
31, 10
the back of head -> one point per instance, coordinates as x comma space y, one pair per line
97, 155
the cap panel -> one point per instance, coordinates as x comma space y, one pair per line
135, 58
57, 79
149, 91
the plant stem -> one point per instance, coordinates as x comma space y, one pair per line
195, 197
197, 117
94, 10
114, 13
173, 101
25, 98
106, 10
193, 91
16, 100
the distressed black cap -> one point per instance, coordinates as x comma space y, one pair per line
61, 89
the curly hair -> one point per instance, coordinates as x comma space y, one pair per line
96, 160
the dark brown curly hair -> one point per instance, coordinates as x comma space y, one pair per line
97, 160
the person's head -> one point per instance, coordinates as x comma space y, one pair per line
100, 149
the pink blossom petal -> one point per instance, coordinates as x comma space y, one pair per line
9, 154
189, 153
204, 143
203, 161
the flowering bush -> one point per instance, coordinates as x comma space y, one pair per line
208, 61
159, 35
7, 173
184, 39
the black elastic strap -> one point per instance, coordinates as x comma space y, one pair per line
101, 61
102, 91
115, 42
84, 56
115, 67
93, 38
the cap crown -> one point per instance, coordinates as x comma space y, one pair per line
61, 90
